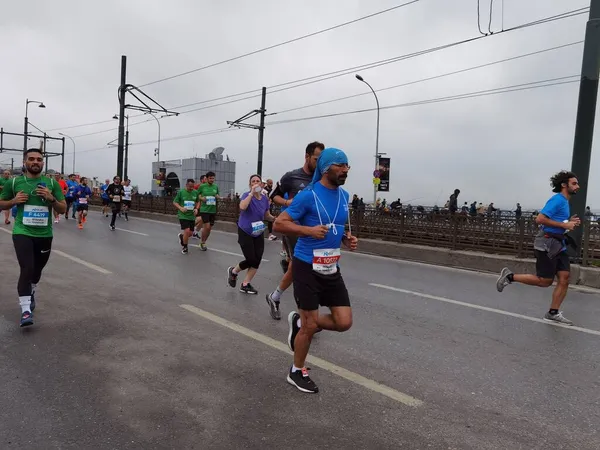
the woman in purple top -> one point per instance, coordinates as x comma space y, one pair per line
254, 210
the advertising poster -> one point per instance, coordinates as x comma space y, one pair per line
384, 175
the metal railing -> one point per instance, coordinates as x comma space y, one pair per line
494, 233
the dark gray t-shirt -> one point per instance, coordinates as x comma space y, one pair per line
294, 181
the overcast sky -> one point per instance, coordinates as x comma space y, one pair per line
500, 148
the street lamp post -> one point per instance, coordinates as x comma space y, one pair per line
73, 141
359, 78
27, 102
157, 152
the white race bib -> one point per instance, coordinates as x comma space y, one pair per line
35, 216
325, 260
83, 201
116, 198
211, 201
189, 204
258, 228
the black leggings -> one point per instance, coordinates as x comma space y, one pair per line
33, 254
252, 248
116, 209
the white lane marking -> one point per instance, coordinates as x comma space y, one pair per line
210, 249
485, 308
73, 258
134, 232
326, 365
82, 262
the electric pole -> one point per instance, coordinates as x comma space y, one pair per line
239, 123
126, 155
122, 90
586, 114
261, 131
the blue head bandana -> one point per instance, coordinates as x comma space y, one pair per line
328, 157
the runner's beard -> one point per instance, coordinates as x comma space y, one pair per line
34, 168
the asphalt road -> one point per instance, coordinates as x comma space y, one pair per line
444, 361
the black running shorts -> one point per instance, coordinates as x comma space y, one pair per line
208, 218
105, 201
187, 224
548, 268
312, 289
82, 207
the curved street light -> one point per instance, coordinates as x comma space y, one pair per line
73, 141
27, 102
359, 78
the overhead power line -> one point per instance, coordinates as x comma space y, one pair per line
421, 80
495, 91
341, 72
289, 41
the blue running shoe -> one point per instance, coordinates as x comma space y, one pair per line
32, 306
26, 319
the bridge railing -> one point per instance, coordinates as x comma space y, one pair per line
495, 233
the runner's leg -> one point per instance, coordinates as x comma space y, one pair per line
25, 250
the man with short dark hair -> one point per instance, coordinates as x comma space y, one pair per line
291, 184
34, 195
185, 202
550, 246
208, 193
116, 193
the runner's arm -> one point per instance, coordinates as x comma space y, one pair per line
176, 201
245, 202
285, 224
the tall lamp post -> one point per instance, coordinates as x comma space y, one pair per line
27, 102
73, 141
359, 78
157, 150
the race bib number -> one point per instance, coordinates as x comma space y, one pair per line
35, 216
83, 201
189, 204
211, 201
116, 198
325, 260
258, 228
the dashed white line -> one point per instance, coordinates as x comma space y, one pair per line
133, 232
485, 308
73, 258
210, 249
326, 365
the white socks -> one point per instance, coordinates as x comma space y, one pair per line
295, 369
25, 303
276, 294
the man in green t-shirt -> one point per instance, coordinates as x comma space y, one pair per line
185, 202
3, 180
34, 195
208, 193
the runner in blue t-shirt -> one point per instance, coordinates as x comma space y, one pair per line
82, 195
550, 247
70, 195
105, 198
318, 215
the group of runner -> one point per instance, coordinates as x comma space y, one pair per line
313, 218
196, 207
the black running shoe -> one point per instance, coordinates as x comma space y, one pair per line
32, 306
248, 289
302, 381
203, 247
184, 250
112, 228
231, 277
274, 308
26, 319
294, 328
180, 236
